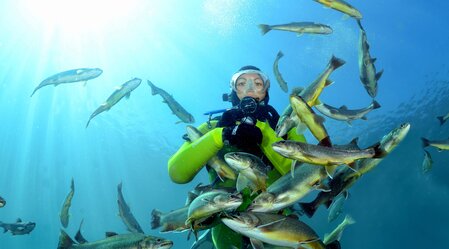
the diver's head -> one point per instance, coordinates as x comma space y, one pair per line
249, 81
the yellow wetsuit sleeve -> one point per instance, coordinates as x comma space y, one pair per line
191, 157
282, 164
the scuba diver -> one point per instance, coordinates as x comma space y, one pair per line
249, 126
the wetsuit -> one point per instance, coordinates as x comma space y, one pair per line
192, 156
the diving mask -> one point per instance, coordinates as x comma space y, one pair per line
244, 85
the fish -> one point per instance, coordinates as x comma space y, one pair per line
335, 235
174, 106
125, 213
273, 229
336, 208
344, 114
311, 93
439, 144
344, 179
443, 119
64, 215
251, 170
19, 227
210, 203
287, 121
2, 202
427, 162
310, 119
289, 189
322, 155
173, 221
117, 241
341, 6
121, 91
298, 27
368, 73
70, 76
277, 74
204, 241
218, 164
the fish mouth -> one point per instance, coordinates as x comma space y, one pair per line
166, 245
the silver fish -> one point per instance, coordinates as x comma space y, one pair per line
173, 221
2, 202
18, 228
322, 155
344, 114
64, 215
335, 235
125, 213
277, 74
273, 229
336, 207
341, 6
174, 106
439, 144
287, 121
368, 73
122, 91
117, 241
298, 27
443, 119
252, 171
427, 162
288, 189
70, 76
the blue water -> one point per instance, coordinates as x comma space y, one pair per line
190, 49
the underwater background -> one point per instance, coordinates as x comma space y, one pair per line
191, 49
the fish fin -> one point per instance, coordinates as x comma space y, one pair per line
256, 244
271, 223
65, 242
5, 229
301, 128
355, 142
364, 118
328, 82
376, 104
321, 187
155, 218
441, 119
299, 34
326, 142
319, 119
264, 28
178, 122
79, 237
242, 182
425, 142
127, 95
346, 17
379, 74
343, 107
19, 220
336, 62
333, 245
110, 234
292, 170
373, 60
280, 54
85, 83
349, 122
329, 171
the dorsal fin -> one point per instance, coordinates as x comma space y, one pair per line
343, 107
110, 234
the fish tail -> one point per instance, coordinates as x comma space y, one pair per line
349, 220
333, 245
308, 208
336, 62
425, 142
154, 89
441, 119
65, 241
264, 28
375, 104
155, 218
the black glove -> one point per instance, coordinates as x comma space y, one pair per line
244, 136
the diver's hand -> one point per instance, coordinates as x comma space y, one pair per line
242, 135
